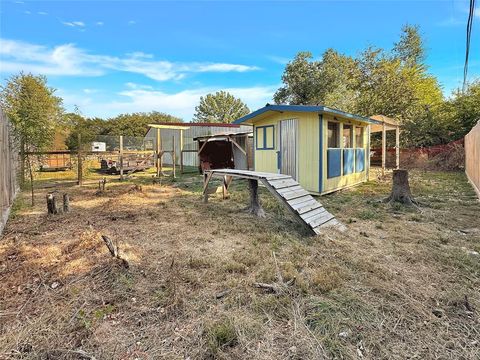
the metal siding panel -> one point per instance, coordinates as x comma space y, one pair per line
288, 147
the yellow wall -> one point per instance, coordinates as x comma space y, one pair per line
308, 146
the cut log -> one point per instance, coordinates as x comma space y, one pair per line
255, 208
52, 204
400, 189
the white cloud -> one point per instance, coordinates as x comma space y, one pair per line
27, 12
67, 59
132, 22
99, 23
90, 91
74, 23
42, 13
182, 104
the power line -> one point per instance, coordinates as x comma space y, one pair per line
469, 35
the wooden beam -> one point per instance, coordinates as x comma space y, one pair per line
201, 148
174, 155
237, 145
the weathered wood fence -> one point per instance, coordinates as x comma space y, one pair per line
9, 166
472, 157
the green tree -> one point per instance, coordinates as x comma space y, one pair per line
329, 81
35, 112
410, 48
221, 107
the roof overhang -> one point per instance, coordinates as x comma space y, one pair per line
383, 121
168, 126
263, 112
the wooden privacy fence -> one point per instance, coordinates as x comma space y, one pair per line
8, 169
472, 157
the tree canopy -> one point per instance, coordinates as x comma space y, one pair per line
394, 83
35, 112
221, 107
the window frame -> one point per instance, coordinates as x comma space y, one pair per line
352, 127
338, 137
362, 128
264, 142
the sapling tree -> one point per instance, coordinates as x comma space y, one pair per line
35, 113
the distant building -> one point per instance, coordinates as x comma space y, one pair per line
98, 146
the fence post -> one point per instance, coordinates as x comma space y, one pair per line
174, 155
181, 151
80, 161
121, 157
159, 156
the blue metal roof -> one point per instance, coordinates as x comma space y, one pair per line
304, 108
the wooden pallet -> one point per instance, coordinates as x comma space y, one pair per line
304, 206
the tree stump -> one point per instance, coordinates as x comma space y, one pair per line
52, 204
255, 208
66, 203
400, 189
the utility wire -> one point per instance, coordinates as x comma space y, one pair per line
469, 35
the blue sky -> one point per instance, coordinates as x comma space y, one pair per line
109, 57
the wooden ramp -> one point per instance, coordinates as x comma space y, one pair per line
306, 209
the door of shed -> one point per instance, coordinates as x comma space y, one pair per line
288, 147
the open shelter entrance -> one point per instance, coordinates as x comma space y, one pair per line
387, 124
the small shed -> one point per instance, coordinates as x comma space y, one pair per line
225, 151
323, 149
185, 145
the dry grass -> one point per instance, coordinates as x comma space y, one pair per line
398, 284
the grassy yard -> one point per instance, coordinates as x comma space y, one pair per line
400, 283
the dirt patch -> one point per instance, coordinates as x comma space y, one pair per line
400, 283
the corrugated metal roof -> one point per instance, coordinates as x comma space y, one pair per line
304, 108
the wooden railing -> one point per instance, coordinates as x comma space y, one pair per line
472, 157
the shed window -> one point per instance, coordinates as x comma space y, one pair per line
347, 136
359, 137
333, 134
265, 137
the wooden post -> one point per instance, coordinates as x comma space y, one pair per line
181, 151
121, 157
66, 203
80, 161
367, 160
397, 147
246, 152
255, 208
384, 147
158, 158
205, 187
174, 155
